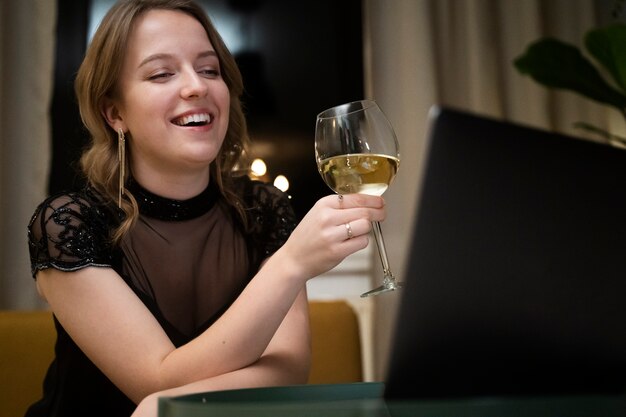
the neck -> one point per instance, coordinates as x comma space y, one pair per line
176, 187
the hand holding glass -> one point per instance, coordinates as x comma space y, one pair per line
357, 152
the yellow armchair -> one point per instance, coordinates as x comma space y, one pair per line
26, 350
336, 343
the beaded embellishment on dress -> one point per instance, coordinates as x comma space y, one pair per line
162, 208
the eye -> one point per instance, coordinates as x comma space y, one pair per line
161, 76
209, 72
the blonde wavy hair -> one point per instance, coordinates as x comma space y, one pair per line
97, 79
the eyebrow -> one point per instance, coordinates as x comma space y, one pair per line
157, 57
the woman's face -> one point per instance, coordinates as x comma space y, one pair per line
171, 97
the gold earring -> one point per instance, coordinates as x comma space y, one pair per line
121, 158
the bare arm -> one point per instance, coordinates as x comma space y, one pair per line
285, 362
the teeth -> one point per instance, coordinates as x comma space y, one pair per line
193, 118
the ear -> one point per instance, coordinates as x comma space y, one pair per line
112, 115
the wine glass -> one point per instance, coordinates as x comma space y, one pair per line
357, 152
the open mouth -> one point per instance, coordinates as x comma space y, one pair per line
201, 119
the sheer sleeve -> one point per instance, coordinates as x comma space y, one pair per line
68, 232
271, 216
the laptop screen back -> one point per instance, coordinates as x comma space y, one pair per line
516, 276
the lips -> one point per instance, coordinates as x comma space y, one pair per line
197, 119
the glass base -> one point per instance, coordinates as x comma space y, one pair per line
388, 285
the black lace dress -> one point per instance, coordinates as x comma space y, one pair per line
186, 260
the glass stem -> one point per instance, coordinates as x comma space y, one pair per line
380, 242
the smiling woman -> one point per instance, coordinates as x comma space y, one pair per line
169, 273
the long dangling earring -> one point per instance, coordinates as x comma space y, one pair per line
121, 158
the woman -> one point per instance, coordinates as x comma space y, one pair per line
168, 274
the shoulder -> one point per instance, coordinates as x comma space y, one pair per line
69, 230
269, 212
84, 197
261, 198
74, 199
259, 192
71, 207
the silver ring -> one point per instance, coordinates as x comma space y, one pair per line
349, 230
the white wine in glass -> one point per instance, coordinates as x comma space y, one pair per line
357, 152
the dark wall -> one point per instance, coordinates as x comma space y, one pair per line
304, 57
68, 134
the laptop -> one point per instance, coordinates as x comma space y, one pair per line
516, 276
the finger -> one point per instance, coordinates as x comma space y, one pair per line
346, 201
349, 232
333, 200
359, 213
360, 200
353, 229
355, 244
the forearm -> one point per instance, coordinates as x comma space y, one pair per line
270, 370
244, 331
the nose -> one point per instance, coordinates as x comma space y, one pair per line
193, 85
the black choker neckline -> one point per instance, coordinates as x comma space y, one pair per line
163, 208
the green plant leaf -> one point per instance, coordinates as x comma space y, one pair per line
557, 64
608, 46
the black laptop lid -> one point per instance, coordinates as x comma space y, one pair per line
516, 279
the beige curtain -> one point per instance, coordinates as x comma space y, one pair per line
27, 32
459, 53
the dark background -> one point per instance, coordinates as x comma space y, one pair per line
297, 59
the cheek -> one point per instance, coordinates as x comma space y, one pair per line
224, 97
225, 110
133, 109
